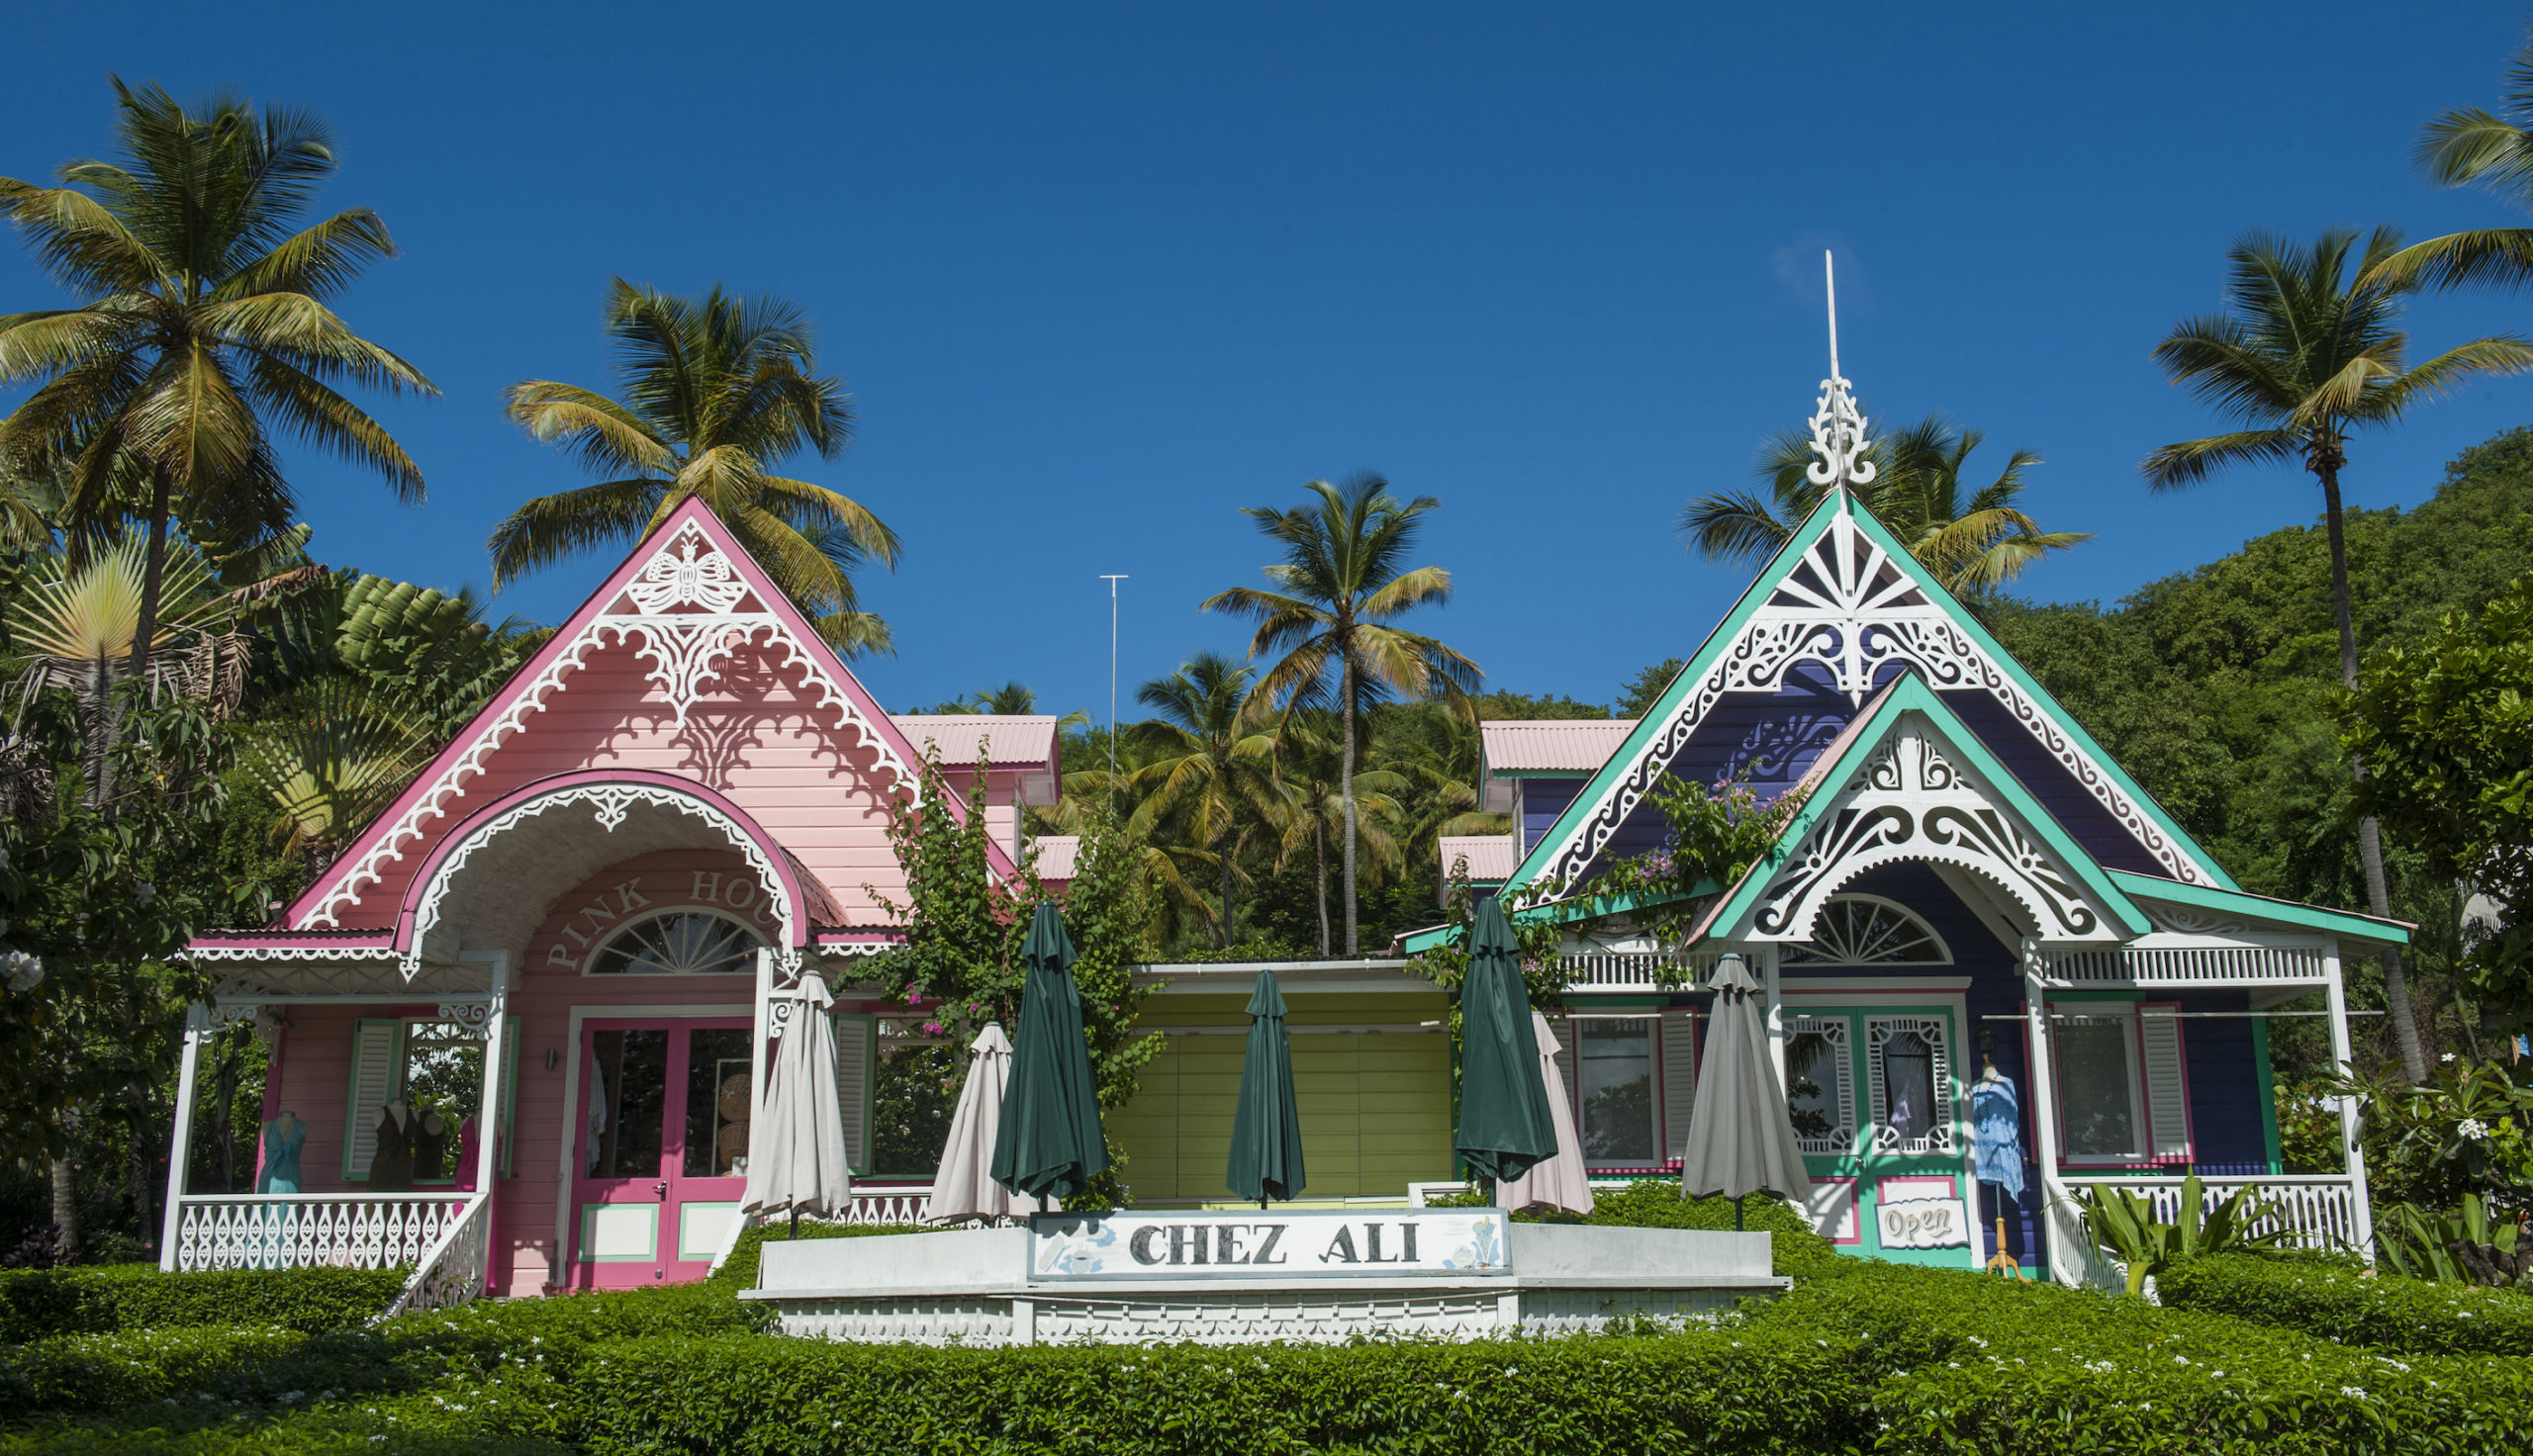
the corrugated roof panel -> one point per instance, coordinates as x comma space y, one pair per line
1517, 746
1014, 741
1491, 857
1056, 855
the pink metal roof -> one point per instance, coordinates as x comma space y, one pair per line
1056, 855
1552, 745
1491, 857
1015, 742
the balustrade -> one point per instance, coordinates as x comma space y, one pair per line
300, 1230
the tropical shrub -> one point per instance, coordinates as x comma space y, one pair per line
2467, 1129
35, 1303
2405, 1316
2124, 1223
2463, 1246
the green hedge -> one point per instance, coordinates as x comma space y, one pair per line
2385, 1312
1876, 1356
1655, 1203
35, 1303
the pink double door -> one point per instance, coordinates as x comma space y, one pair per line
661, 1160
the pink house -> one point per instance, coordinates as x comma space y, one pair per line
573, 918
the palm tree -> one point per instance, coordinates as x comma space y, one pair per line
1344, 578
711, 396
1973, 546
1011, 699
206, 322
1309, 808
2468, 148
1209, 777
2308, 351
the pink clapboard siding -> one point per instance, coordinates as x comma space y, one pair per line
814, 788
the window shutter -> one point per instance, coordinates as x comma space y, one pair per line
853, 1037
507, 1116
378, 1065
2167, 1085
1679, 1080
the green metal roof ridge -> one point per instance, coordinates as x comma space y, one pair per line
1781, 564
1907, 695
2294, 912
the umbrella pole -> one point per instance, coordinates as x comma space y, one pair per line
795, 1221
1736, 1216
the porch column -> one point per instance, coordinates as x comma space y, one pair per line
2044, 1112
1776, 1009
197, 1027
2360, 1205
487, 1118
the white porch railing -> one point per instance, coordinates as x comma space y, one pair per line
889, 1206
2318, 1211
299, 1230
455, 1268
1633, 970
2189, 966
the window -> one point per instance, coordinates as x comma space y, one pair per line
1863, 929
2123, 1092
717, 1062
1911, 1082
2097, 1103
1819, 1094
678, 942
1616, 1089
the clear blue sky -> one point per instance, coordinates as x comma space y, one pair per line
1099, 275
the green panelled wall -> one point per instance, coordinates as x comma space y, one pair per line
1376, 1106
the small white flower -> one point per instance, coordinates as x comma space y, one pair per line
2448, 1056
2473, 1128
2353, 1392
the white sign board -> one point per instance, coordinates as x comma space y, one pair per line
1269, 1244
1923, 1223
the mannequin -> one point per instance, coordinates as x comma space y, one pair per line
1996, 1123
391, 1169
431, 1146
284, 1137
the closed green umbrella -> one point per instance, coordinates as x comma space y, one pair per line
1267, 1130
1505, 1123
1049, 1142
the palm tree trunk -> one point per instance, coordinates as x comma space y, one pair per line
1346, 792
1319, 866
65, 1209
1222, 853
2370, 835
153, 572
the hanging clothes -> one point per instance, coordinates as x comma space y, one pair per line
281, 1157
1996, 1132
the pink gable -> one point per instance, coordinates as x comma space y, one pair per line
685, 665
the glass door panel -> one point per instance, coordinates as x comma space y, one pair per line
662, 1143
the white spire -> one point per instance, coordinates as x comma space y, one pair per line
1837, 429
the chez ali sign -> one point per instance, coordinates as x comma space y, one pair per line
1269, 1244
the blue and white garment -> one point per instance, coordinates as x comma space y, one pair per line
1996, 1132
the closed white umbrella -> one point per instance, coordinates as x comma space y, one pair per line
965, 1188
1561, 1182
796, 1149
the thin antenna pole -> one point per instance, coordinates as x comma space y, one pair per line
1112, 582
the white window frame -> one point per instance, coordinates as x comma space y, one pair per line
1940, 1136
1841, 1031
2122, 1015
1652, 1017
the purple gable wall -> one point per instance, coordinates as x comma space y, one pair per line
2048, 780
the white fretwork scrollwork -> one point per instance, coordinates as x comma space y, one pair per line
686, 649
474, 1018
1853, 609
1912, 803
226, 1013
1837, 437
426, 913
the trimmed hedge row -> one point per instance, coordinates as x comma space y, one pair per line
37, 1304
2336, 1304
1655, 1203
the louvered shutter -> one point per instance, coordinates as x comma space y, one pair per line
378, 1066
853, 1038
1679, 1080
2167, 1084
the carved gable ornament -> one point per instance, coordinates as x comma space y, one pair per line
1912, 800
1844, 600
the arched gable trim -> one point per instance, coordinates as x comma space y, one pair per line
607, 794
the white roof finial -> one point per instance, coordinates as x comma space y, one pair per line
1837, 429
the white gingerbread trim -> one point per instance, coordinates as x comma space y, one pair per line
1910, 802
686, 649
610, 799
291, 952
1851, 608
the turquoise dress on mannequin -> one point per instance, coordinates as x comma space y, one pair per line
281, 1157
